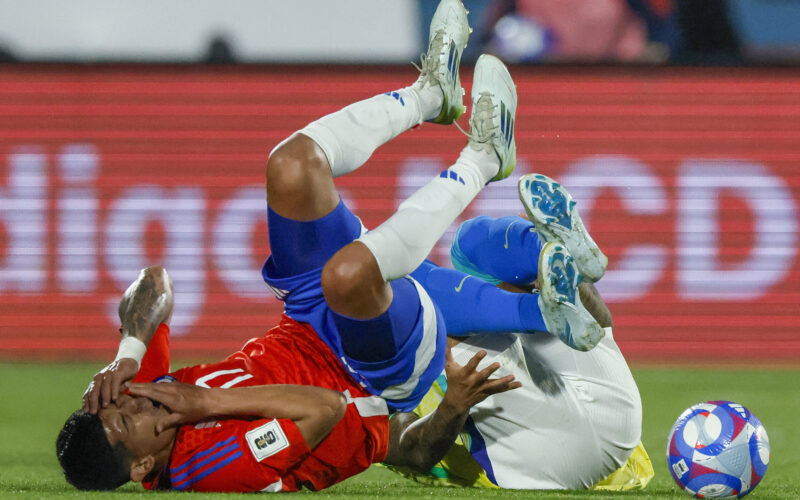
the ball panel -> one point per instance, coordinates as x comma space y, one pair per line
715, 486
717, 449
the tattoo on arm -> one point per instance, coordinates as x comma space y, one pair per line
146, 303
420, 443
594, 303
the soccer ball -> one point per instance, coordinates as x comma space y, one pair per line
717, 449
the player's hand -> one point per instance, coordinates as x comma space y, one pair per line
187, 403
106, 384
466, 386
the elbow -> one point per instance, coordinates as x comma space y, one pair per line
158, 277
337, 407
418, 461
323, 418
423, 461
331, 408
158, 284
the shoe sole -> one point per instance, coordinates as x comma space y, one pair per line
558, 285
552, 210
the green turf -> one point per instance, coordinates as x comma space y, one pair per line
36, 399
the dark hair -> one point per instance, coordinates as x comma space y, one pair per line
88, 459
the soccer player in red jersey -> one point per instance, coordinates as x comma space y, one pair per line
278, 415
286, 433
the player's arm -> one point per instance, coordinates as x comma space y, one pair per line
146, 304
595, 304
420, 443
314, 410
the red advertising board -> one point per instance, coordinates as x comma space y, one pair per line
688, 178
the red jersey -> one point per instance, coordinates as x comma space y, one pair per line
256, 454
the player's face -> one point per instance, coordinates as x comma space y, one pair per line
132, 421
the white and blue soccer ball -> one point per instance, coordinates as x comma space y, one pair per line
718, 449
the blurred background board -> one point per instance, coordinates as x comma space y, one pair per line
687, 178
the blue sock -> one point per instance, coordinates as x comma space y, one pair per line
505, 249
471, 305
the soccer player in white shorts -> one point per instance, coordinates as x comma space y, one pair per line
576, 421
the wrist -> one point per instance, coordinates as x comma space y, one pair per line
215, 401
453, 406
132, 348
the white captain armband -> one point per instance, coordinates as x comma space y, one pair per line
133, 348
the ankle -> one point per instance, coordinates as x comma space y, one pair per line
430, 98
485, 164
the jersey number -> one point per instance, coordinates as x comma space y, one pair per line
203, 381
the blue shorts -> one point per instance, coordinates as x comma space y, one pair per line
410, 337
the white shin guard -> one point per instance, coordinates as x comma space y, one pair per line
350, 136
403, 242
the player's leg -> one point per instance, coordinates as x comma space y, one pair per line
498, 250
612, 413
360, 283
380, 324
471, 305
300, 174
305, 210
507, 250
355, 280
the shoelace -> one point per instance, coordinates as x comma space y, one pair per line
482, 128
429, 65
484, 109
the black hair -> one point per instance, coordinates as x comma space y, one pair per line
88, 459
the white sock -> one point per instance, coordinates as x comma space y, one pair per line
402, 242
350, 136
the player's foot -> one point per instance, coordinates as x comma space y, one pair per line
494, 107
552, 210
439, 66
560, 302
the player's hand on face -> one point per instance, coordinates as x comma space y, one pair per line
467, 386
107, 383
187, 403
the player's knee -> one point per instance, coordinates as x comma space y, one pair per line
352, 283
342, 282
293, 165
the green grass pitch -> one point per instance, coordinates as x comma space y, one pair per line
36, 399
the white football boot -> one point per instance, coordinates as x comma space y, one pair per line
560, 301
494, 108
552, 210
447, 40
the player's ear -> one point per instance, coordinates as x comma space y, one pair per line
141, 467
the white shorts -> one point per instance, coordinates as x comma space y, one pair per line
575, 420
